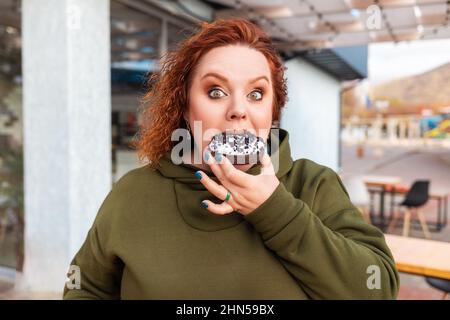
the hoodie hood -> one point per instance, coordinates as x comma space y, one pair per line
190, 191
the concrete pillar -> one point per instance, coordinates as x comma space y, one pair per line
67, 132
312, 114
392, 129
413, 130
377, 126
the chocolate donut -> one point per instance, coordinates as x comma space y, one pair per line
239, 148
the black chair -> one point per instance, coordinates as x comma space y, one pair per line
416, 197
440, 284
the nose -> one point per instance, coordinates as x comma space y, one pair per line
237, 112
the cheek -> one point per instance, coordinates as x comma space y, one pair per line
202, 109
261, 115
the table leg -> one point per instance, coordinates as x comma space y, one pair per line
382, 221
445, 210
392, 195
439, 219
371, 205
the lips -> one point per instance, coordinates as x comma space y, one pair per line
236, 131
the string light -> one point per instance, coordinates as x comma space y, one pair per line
319, 16
291, 38
386, 22
264, 20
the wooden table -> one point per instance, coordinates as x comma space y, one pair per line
390, 185
382, 183
420, 256
381, 180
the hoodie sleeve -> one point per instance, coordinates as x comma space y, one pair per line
325, 244
100, 270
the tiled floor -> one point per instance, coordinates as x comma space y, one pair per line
7, 292
415, 288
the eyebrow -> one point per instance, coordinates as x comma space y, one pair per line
216, 75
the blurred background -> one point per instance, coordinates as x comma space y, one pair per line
369, 97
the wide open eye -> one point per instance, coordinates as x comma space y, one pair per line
216, 93
256, 95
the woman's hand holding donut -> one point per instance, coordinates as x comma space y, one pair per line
248, 191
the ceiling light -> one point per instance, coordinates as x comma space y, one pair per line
312, 24
274, 11
11, 30
355, 12
417, 12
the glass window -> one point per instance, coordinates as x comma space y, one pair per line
11, 142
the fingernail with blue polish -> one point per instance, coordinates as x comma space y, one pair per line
206, 156
198, 175
218, 157
204, 204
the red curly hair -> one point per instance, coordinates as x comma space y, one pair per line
167, 96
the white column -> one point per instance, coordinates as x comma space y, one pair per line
312, 113
67, 131
392, 129
402, 130
377, 126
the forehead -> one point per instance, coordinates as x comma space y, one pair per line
234, 62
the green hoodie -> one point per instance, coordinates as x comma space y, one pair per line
152, 239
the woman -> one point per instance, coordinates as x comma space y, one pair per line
199, 227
